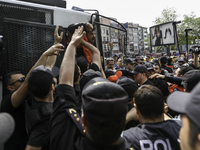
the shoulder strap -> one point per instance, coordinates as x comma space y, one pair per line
76, 119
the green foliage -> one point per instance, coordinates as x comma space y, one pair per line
167, 15
191, 22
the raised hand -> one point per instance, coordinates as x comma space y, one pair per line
78, 36
57, 38
54, 50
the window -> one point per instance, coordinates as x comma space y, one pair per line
103, 31
107, 32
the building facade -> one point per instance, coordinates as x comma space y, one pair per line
112, 38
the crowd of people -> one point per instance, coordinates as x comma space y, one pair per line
131, 104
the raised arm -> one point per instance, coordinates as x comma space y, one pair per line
68, 63
20, 95
51, 60
95, 53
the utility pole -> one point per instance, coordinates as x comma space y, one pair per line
186, 35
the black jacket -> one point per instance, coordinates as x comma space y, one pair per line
67, 132
154, 135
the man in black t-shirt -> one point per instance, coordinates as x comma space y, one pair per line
104, 110
140, 75
15, 107
152, 132
39, 107
163, 62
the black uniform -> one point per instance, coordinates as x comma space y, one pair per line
37, 116
19, 138
154, 136
67, 132
167, 68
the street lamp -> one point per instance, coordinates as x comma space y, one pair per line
175, 29
186, 35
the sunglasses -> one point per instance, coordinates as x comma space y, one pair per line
20, 80
142, 63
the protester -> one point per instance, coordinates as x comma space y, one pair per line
83, 50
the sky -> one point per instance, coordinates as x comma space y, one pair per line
142, 12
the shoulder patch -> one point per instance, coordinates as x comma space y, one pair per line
76, 118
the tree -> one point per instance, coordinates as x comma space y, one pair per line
192, 22
167, 15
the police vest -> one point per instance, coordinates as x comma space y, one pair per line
36, 115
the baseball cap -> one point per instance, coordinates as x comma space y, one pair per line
190, 79
182, 59
40, 78
155, 61
176, 66
115, 55
129, 85
109, 72
130, 61
104, 101
55, 71
87, 76
149, 66
115, 77
140, 69
7, 126
187, 103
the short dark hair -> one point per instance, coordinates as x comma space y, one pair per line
149, 101
169, 60
7, 78
109, 59
156, 64
163, 60
162, 85
39, 93
184, 69
109, 72
109, 134
194, 131
82, 63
